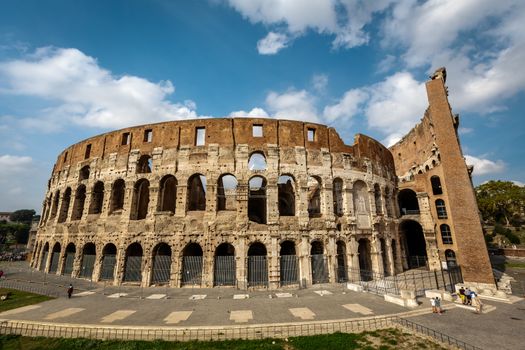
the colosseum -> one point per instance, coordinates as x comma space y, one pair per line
255, 202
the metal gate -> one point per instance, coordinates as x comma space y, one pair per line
341, 269
132, 272
319, 269
108, 267
55, 256
257, 271
192, 270
161, 269
68, 266
289, 269
43, 261
224, 271
88, 263
455, 276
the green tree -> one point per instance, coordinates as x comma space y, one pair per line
23, 215
500, 200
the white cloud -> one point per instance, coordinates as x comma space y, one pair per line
13, 164
20, 183
519, 183
272, 43
464, 131
349, 105
319, 82
485, 166
254, 113
296, 105
82, 92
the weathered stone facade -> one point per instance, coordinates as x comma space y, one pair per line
251, 202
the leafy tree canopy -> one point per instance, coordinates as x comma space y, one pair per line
500, 200
22, 215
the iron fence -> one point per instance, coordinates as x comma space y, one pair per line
319, 268
289, 268
224, 271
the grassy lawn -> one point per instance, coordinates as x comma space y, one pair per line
515, 264
387, 339
18, 298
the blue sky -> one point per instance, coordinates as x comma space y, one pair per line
73, 69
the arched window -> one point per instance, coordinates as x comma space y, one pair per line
450, 257
145, 164
197, 192
257, 161
337, 191
436, 185
65, 205
140, 202
314, 197
78, 205
117, 196
446, 235
168, 194
97, 198
54, 207
84, 173
441, 209
257, 199
408, 203
378, 200
227, 192
285, 187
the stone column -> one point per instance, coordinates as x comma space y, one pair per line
98, 262
375, 251
61, 259
146, 266
353, 259
273, 261
77, 261
305, 271
241, 261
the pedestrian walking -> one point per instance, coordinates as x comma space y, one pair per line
437, 303
476, 302
433, 304
70, 291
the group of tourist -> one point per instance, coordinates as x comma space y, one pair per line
469, 297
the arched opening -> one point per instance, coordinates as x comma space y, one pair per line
436, 185
145, 164
289, 264
286, 194
192, 265
66, 200
446, 234
342, 276
43, 259
450, 257
384, 257
257, 199
319, 263
408, 204
257, 265
133, 263
54, 207
88, 260
97, 198
140, 202
414, 243
197, 192
257, 162
69, 260
161, 264
314, 197
361, 204
441, 209
337, 192
365, 259
168, 194
378, 200
78, 205
55, 257
227, 192
84, 173
224, 265
109, 261
117, 196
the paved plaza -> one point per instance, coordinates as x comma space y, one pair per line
500, 326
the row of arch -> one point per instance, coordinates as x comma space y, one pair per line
226, 197
188, 267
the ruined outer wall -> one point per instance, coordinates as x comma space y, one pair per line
433, 148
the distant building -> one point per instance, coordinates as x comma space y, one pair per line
4, 216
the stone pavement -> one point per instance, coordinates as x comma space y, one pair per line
500, 326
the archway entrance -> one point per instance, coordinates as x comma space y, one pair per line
257, 265
408, 204
224, 266
109, 260
365, 260
319, 263
161, 264
341, 262
70, 258
55, 256
192, 265
414, 243
288, 264
133, 263
43, 259
88, 260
